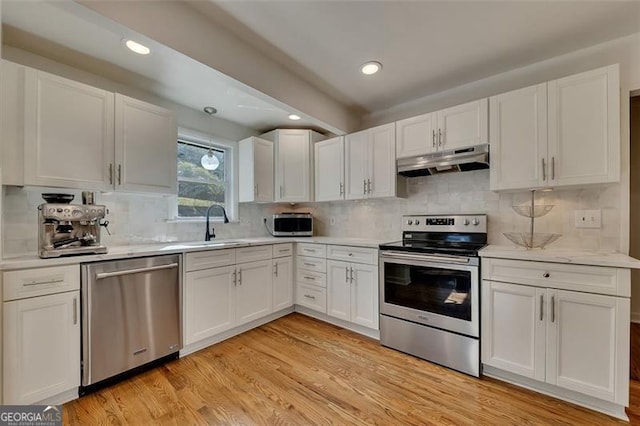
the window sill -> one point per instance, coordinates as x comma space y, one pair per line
199, 220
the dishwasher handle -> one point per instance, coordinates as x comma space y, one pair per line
103, 275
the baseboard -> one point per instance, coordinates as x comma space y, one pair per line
194, 347
369, 332
635, 317
60, 398
595, 404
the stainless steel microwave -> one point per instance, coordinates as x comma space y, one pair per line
293, 224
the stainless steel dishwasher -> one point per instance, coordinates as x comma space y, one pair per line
130, 316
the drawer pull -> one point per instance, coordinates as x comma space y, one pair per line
313, 265
541, 306
553, 309
546, 275
309, 250
309, 278
308, 296
75, 311
350, 254
52, 281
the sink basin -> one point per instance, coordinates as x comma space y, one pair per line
203, 244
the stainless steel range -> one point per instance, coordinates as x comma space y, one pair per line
430, 290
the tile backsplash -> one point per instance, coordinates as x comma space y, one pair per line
141, 219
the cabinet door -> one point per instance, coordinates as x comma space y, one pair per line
585, 341
356, 164
339, 290
12, 125
209, 303
518, 129
329, 169
381, 162
364, 295
146, 147
41, 347
584, 127
254, 291
255, 160
416, 136
463, 125
282, 283
514, 328
68, 133
293, 168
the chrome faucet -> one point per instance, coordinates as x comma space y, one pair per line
209, 235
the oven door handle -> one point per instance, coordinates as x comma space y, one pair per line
424, 257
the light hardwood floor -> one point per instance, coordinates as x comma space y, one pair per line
298, 370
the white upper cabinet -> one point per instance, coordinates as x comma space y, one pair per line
12, 125
370, 167
518, 138
145, 147
255, 178
329, 169
68, 139
561, 133
294, 163
452, 128
416, 136
463, 125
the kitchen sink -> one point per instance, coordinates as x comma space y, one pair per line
203, 244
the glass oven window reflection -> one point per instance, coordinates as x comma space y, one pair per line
440, 291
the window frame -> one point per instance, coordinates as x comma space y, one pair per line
210, 141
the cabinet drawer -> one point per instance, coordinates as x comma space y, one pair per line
312, 297
309, 249
283, 250
311, 278
583, 278
353, 254
209, 259
253, 253
41, 281
311, 264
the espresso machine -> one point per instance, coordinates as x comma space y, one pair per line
70, 229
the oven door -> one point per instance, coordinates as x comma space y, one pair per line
438, 291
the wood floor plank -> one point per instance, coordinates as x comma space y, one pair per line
297, 371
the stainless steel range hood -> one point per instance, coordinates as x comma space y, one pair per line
456, 160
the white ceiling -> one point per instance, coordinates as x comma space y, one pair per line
425, 46
166, 72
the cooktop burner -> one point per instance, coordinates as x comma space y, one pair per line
453, 235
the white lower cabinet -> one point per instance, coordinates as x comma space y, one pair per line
352, 292
41, 347
575, 341
209, 303
282, 283
254, 291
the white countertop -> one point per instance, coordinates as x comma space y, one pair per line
574, 256
119, 252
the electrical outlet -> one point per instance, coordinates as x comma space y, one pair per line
588, 218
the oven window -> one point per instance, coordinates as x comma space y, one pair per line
440, 291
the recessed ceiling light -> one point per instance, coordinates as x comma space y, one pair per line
137, 47
370, 67
294, 117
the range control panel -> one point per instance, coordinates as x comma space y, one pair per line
449, 223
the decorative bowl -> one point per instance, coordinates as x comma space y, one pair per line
526, 239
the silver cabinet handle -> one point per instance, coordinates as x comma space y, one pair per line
368, 186
544, 171
433, 138
364, 186
346, 274
51, 281
103, 275
351, 275
119, 174
275, 272
281, 191
341, 188
309, 264
546, 275
110, 173
239, 276
235, 278
541, 306
255, 190
439, 137
75, 311
553, 308
308, 296
308, 249
309, 278
553, 168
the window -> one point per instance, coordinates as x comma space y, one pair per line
200, 187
